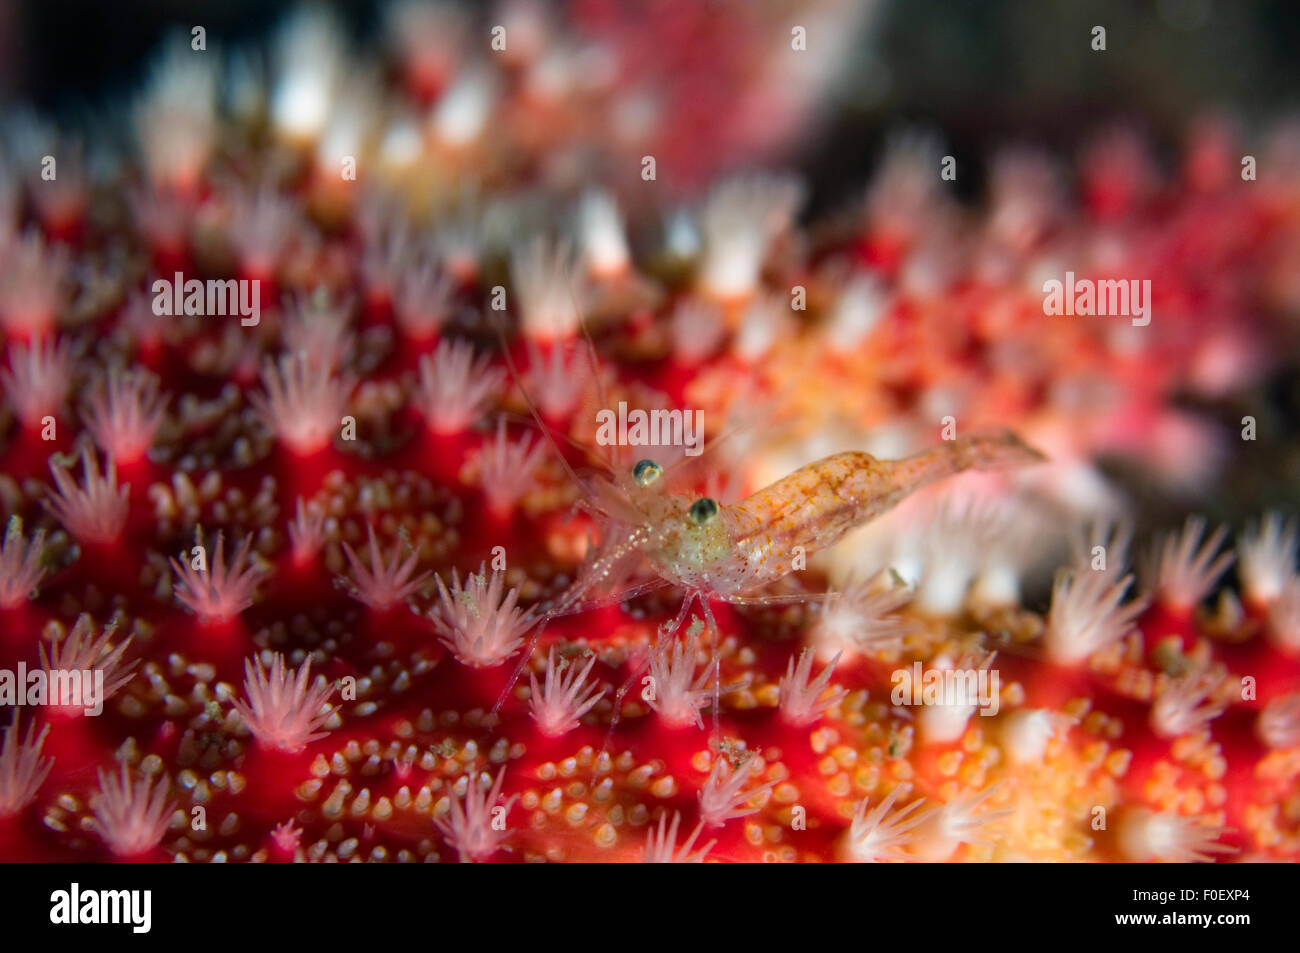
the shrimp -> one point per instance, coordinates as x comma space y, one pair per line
726, 553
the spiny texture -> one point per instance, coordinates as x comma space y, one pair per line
284, 709
479, 622
211, 588
131, 815
22, 769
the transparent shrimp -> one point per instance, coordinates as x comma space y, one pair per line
727, 553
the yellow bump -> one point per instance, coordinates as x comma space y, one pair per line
319, 767
333, 806
786, 793
948, 763
383, 809
827, 766
1118, 761
552, 801
606, 836
754, 834
701, 761
569, 767
308, 790
839, 785
576, 813
664, 787
641, 776
546, 771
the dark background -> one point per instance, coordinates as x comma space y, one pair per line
983, 71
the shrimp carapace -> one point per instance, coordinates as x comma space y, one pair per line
728, 551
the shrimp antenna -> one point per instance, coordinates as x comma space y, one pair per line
532, 408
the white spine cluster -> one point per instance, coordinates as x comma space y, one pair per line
481, 626
801, 695
661, 843
877, 835
1182, 570
1088, 614
475, 824
564, 697
722, 798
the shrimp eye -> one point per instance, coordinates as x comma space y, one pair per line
646, 472
703, 511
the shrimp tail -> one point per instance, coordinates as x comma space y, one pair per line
994, 450
988, 451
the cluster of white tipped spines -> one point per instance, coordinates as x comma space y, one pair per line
946, 722
1145, 836
725, 795
1185, 705
20, 564
478, 621
805, 699
82, 650
1269, 579
661, 843
95, 511
211, 588
124, 414
131, 815
1185, 566
304, 402
38, 380
22, 769
909, 833
877, 835
507, 469
455, 389
1088, 611
284, 709
475, 822
675, 692
565, 695
861, 618
384, 583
